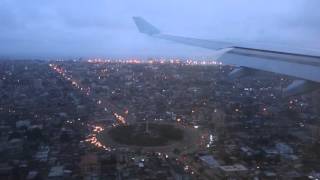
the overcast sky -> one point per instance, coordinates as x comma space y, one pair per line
102, 28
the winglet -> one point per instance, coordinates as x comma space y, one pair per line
145, 27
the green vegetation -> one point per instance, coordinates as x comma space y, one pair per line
159, 135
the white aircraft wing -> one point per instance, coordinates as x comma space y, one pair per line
302, 64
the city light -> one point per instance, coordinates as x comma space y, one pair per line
93, 140
153, 61
64, 74
120, 118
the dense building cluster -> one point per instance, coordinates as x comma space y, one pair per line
53, 114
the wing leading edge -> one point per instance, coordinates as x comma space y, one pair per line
299, 65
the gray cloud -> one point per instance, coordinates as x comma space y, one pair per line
46, 28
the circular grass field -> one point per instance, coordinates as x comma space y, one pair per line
136, 135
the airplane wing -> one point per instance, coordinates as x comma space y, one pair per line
288, 62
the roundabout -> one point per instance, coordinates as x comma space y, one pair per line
162, 137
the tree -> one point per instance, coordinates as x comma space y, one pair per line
176, 151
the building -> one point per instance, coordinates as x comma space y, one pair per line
209, 161
234, 170
56, 173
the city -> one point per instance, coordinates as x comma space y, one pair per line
178, 119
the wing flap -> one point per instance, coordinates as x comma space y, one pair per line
296, 65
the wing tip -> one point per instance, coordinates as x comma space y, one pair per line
144, 26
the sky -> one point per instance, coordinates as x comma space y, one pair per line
104, 28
